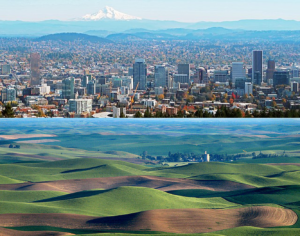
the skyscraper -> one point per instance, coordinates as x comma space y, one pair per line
35, 60
281, 78
161, 76
91, 87
140, 74
270, 70
238, 71
257, 67
68, 88
201, 76
184, 69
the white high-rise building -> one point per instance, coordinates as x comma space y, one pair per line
80, 105
238, 71
248, 88
117, 112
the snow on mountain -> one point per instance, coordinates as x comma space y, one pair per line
109, 13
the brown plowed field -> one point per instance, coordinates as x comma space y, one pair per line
8, 232
172, 221
163, 184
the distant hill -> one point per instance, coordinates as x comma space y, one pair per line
15, 28
71, 37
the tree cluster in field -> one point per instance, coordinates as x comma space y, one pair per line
192, 157
223, 112
261, 155
16, 146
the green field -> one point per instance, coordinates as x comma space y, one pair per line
91, 150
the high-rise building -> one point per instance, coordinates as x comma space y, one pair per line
68, 88
201, 76
86, 80
91, 87
161, 76
281, 78
220, 76
6, 69
35, 61
270, 70
80, 105
295, 87
248, 88
240, 83
295, 73
238, 71
184, 69
181, 78
140, 74
8, 94
257, 67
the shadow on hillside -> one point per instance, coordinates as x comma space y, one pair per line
79, 170
74, 196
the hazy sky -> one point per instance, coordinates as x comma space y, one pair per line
179, 10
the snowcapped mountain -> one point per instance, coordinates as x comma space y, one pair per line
109, 13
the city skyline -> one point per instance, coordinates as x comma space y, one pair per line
176, 10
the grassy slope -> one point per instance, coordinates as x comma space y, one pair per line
252, 174
70, 169
120, 201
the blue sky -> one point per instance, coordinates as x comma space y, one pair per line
179, 10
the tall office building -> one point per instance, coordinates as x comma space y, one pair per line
257, 67
140, 74
281, 78
181, 78
248, 88
184, 69
201, 76
91, 87
238, 71
68, 88
295, 73
8, 95
35, 61
221, 76
295, 87
270, 70
161, 76
86, 80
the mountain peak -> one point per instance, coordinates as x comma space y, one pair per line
109, 13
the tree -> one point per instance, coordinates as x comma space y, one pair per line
161, 97
138, 115
122, 115
8, 111
148, 113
